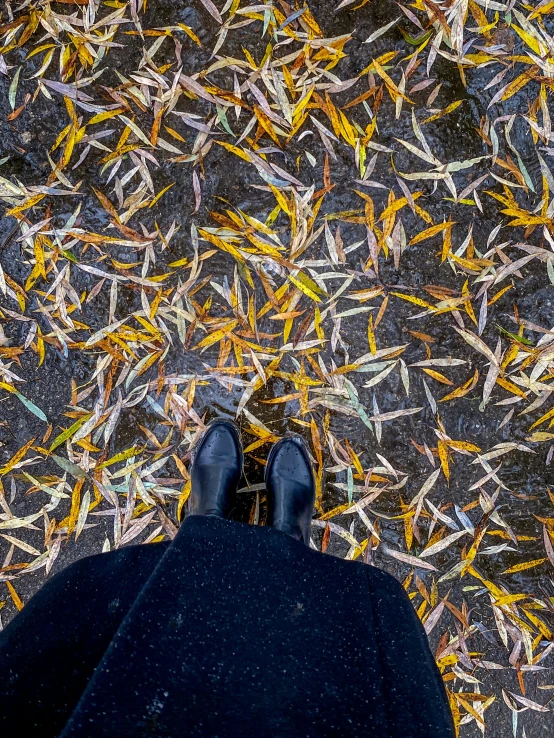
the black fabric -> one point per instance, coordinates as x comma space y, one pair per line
237, 631
50, 649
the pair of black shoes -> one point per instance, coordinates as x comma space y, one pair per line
217, 468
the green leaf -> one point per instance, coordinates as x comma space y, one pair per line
31, 406
415, 40
69, 255
68, 432
67, 466
13, 88
222, 117
514, 336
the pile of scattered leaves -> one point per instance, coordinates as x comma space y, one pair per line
293, 294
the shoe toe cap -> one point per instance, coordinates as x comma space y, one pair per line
220, 444
291, 461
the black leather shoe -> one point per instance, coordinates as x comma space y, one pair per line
290, 486
216, 470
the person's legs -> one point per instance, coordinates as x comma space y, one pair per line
290, 488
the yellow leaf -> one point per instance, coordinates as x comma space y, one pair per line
190, 33
499, 294
234, 150
543, 419
470, 709
335, 511
101, 117
122, 456
443, 456
16, 457
396, 204
531, 42
265, 123
281, 199
371, 336
29, 203
383, 60
517, 84
472, 265
438, 376
75, 505
348, 132
43, 47
472, 553
415, 300
468, 306
491, 586
311, 22
298, 115
508, 599
542, 9
223, 245
183, 497
540, 437
511, 387
333, 115
463, 446
442, 113
282, 399
307, 286
118, 152
408, 533
392, 88
538, 623
160, 194
15, 597
432, 231
217, 335
524, 565
446, 244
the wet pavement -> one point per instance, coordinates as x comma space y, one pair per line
226, 179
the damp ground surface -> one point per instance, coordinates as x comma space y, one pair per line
355, 244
